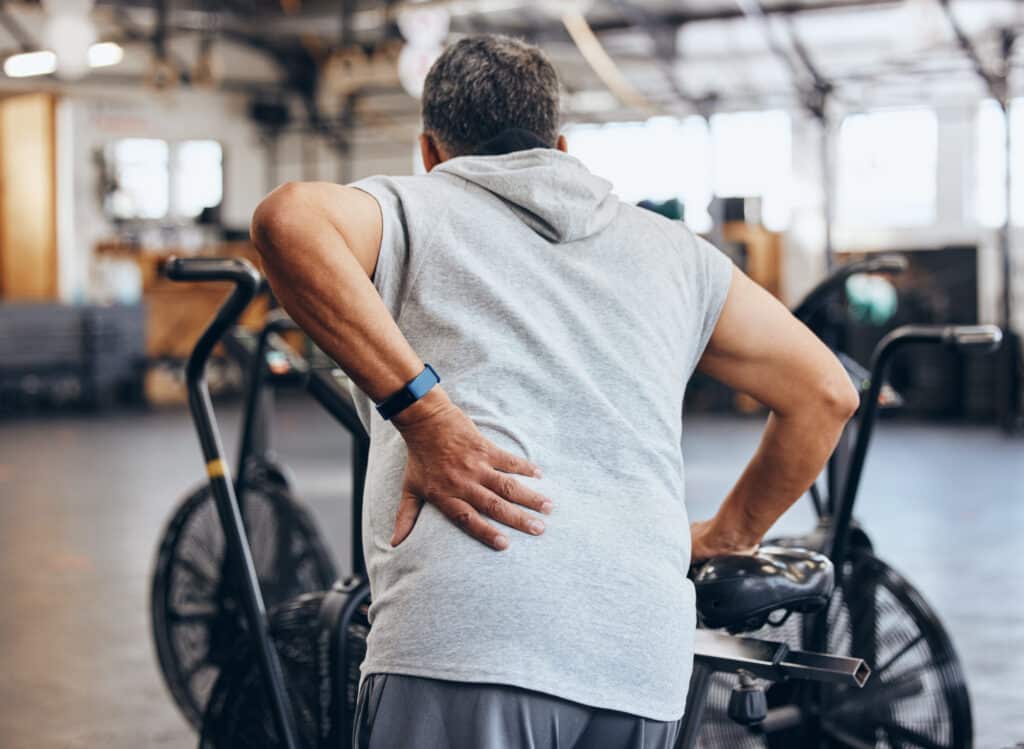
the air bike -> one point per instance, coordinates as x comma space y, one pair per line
290, 678
917, 695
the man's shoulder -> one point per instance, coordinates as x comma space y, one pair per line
407, 183
637, 218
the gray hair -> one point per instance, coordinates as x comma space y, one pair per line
482, 86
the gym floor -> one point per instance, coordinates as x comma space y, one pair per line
943, 503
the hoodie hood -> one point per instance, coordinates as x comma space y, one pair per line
552, 192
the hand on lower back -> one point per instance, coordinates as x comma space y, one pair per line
467, 477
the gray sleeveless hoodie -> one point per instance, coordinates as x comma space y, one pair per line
565, 323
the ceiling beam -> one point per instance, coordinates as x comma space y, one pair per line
683, 17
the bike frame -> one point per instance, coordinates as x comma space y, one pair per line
323, 387
837, 516
246, 281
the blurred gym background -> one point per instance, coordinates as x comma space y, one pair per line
798, 135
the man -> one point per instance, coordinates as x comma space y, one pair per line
525, 529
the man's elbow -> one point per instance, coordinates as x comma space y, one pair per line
838, 398
277, 217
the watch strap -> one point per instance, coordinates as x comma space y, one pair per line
413, 390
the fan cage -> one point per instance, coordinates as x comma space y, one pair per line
196, 612
239, 716
916, 695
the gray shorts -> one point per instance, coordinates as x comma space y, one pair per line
394, 712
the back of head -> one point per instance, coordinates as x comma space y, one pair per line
482, 87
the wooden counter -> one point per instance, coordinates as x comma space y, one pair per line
176, 313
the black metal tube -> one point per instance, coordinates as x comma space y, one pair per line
775, 661
324, 387
254, 417
959, 336
836, 548
359, 596
360, 459
246, 281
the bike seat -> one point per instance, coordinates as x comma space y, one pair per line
740, 592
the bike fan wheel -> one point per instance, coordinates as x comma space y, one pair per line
196, 610
238, 715
916, 695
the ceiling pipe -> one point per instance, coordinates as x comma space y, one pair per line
24, 40
682, 18
996, 83
665, 54
602, 64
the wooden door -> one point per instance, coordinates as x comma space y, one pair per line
28, 198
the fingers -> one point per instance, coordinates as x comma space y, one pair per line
465, 516
493, 506
408, 511
508, 488
510, 463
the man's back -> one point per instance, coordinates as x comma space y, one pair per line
565, 325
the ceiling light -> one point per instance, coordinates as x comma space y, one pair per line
23, 65
104, 54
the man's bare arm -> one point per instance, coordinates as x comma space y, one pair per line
319, 244
760, 349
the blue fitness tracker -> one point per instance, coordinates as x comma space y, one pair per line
415, 389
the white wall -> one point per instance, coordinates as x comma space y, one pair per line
89, 120
90, 117
955, 220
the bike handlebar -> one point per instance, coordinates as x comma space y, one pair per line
236, 270
233, 270
979, 338
821, 292
967, 338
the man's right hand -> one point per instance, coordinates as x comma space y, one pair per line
462, 473
760, 349
708, 539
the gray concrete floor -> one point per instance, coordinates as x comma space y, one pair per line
83, 501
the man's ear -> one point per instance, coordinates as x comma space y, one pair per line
562, 145
429, 151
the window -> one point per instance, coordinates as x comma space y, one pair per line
753, 158
659, 159
747, 154
886, 169
990, 178
141, 179
153, 179
198, 177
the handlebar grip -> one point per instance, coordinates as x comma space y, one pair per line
982, 338
235, 270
